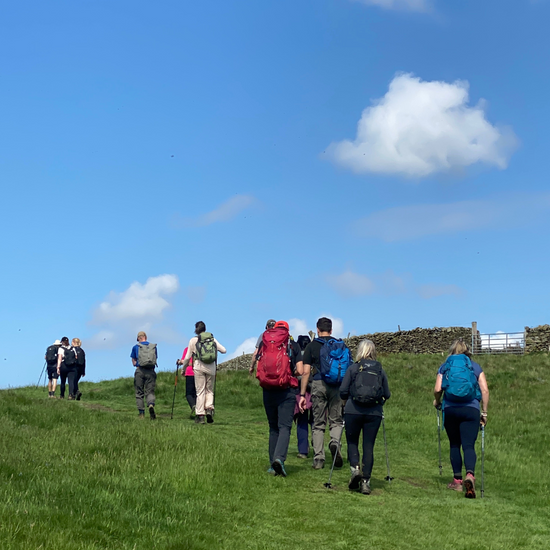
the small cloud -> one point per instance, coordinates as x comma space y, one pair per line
196, 294
422, 128
405, 5
349, 284
248, 346
227, 211
297, 327
432, 291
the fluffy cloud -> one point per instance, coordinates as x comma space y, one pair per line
350, 284
410, 5
227, 211
420, 220
247, 346
421, 128
139, 307
297, 327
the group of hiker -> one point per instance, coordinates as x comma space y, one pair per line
67, 361
313, 382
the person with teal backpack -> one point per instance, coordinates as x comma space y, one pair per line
460, 388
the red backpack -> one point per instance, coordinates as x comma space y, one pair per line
274, 370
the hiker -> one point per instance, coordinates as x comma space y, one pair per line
203, 348
279, 361
460, 387
66, 367
325, 395
80, 365
190, 389
303, 418
364, 391
51, 365
270, 324
144, 357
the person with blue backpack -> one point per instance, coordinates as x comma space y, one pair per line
326, 359
460, 389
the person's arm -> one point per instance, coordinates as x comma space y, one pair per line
219, 347
253, 361
306, 369
133, 356
484, 397
438, 392
385, 386
59, 359
344, 386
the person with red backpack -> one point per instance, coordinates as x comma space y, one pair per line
460, 388
279, 361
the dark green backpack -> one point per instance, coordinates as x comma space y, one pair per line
206, 350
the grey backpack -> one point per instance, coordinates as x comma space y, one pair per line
147, 356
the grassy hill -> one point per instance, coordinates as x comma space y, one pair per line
90, 475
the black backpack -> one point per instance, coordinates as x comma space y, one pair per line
367, 388
69, 357
303, 341
51, 354
80, 357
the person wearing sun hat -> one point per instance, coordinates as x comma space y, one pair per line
280, 387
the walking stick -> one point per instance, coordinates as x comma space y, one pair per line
175, 386
43, 369
439, 438
328, 484
388, 478
482, 461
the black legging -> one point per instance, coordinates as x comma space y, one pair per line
69, 373
190, 391
369, 424
462, 427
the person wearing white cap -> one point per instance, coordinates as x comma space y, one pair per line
51, 362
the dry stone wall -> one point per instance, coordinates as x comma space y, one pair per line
537, 338
419, 340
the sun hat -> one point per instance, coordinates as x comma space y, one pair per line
57, 343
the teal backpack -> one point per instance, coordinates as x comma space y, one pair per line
459, 380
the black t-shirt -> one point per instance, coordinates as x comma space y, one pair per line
312, 356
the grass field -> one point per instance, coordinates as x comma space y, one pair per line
90, 475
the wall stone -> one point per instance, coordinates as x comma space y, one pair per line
537, 338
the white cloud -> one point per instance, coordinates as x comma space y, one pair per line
247, 346
138, 301
420, 220
409, 5
501, 340
139, 307
297, 327
227, 211
433, 291
337, 325
350, 284
421, 128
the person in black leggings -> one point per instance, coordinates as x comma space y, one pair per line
362, 415
462, 418
66, 370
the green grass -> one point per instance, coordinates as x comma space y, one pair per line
90, 475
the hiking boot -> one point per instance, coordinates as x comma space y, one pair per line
78, 395
71, 397
301, 455
470, 486
334, 450
279, 467
193, 414
210, 416
271, 471
199, 419
455, 485
318, 464
152, 412
364, 487
355, 479
141, 415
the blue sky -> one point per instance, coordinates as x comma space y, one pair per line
382, 162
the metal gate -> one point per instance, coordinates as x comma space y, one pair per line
499, 342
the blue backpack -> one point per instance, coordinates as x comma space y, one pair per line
335, 360
459, 380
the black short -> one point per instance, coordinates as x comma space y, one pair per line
52, 373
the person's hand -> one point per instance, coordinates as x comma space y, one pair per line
483, 419
437, 404
302, 403
179, 362
251, 370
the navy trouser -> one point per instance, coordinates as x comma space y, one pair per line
79, 373
462, 427
70, 373
279, 408
302, 431
369, 424
190, 391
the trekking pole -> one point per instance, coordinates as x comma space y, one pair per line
388, 478
328, 484
439, 438
482, 461
43, 369
175, 386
